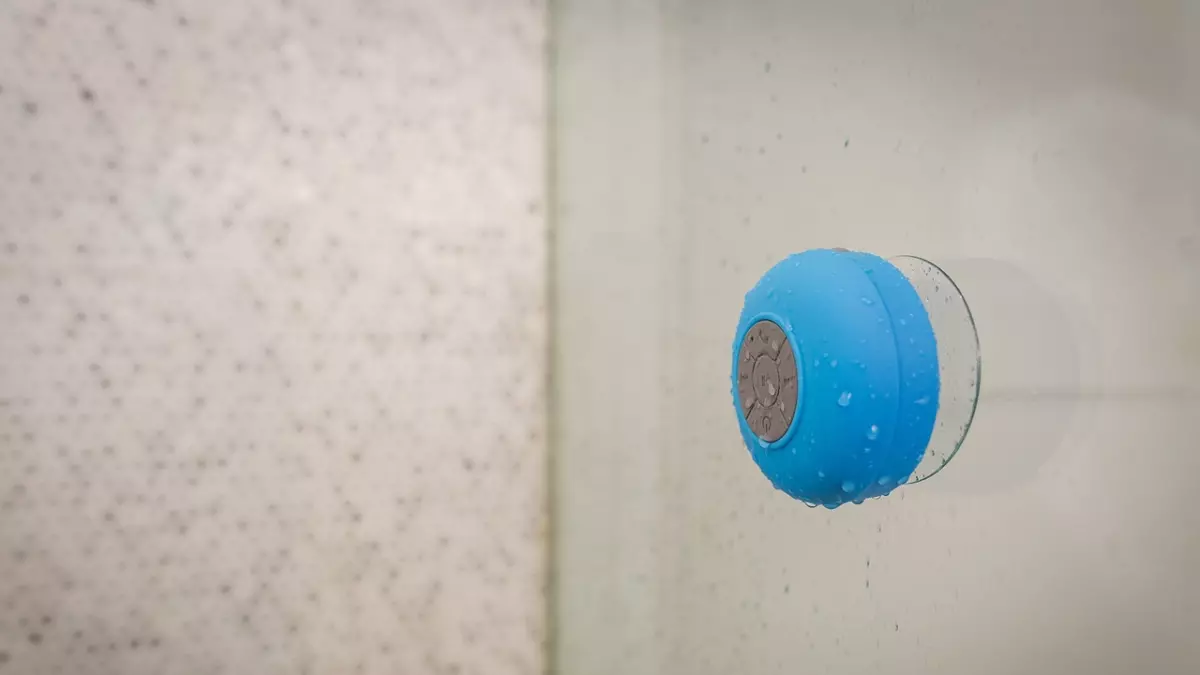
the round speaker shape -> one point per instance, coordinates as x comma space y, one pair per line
853, 375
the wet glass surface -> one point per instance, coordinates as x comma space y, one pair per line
1045, 158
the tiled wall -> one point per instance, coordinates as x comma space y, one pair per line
272, 332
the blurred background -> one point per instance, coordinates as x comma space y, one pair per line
272, 356
392, 336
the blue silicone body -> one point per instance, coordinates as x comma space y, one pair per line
867, 361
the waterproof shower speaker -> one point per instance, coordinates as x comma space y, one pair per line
853, 374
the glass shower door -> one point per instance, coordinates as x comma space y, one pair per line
1047, 156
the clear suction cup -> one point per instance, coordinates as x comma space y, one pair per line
958, 360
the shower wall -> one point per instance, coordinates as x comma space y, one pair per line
272, 332
1047, 154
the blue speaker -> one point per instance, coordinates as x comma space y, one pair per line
839, 362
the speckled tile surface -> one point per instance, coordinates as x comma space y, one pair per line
272, 333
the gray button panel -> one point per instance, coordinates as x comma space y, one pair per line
768, 383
